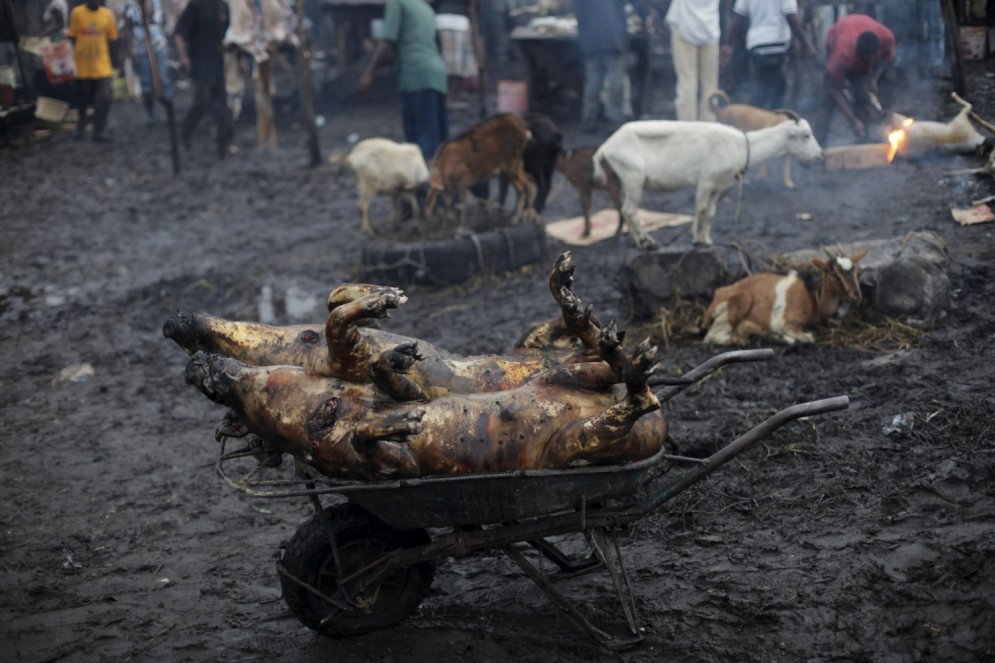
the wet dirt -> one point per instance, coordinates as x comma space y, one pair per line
833, 540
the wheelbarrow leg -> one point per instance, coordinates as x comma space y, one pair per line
606, 546
562, 602
569, 566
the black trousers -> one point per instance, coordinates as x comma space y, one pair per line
94, 92
857, 87
770, 83
209, 96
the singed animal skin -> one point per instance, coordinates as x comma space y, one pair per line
567, 416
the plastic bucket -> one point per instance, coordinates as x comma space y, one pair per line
513, 97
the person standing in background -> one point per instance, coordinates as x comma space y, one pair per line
603, 38
694, 39
199, 34
409, 34
140, 54
92, 28
772, 23
458, 24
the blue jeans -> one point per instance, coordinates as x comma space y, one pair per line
425, 119
143, 69
601, 70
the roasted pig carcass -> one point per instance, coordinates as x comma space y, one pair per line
345, 347
571, 415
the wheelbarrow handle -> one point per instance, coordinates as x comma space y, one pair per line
742, 443
677, 385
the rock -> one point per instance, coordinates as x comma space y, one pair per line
652, 279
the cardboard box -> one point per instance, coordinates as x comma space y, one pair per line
973, 42
857, 157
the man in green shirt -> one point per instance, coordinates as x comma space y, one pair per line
409, 33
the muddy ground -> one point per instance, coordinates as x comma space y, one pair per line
834, 540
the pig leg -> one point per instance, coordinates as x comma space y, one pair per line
382, 447
346, 347
595, 437
389, 372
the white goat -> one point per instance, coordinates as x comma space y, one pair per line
782, 306
958, 135
667, 156
385, 167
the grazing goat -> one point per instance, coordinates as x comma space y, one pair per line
782, 306
495, 145
385, 167
667, 156
540, 157
578, 167
750, 118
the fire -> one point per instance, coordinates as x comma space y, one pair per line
897, 137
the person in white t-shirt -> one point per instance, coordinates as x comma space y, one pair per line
772, 23
694, 44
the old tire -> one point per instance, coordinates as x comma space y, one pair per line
361, 539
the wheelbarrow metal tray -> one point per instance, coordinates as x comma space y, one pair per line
480, 499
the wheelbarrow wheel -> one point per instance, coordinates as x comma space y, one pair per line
361, 539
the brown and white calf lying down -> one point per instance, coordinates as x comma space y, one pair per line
782, 306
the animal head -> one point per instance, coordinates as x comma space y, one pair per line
840, 276
801, 142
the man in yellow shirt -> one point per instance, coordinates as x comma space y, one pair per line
92, 28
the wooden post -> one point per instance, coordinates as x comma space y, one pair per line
950, 20
174, 148
304, 85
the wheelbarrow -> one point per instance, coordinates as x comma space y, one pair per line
366, 563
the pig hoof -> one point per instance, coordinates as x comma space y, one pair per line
609, 339
231, 426
644, 357
404, 356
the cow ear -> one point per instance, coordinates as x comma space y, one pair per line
819, 263
856, 258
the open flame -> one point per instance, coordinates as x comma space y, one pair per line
897, 137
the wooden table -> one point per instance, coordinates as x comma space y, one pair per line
556, 70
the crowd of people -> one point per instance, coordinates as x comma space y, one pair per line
438, 50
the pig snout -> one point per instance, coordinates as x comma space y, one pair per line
212, 375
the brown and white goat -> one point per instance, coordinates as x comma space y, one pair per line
782, 306
495, 145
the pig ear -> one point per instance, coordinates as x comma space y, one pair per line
820, 263
856, 258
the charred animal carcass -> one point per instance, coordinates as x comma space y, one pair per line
346, 347
578, 414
